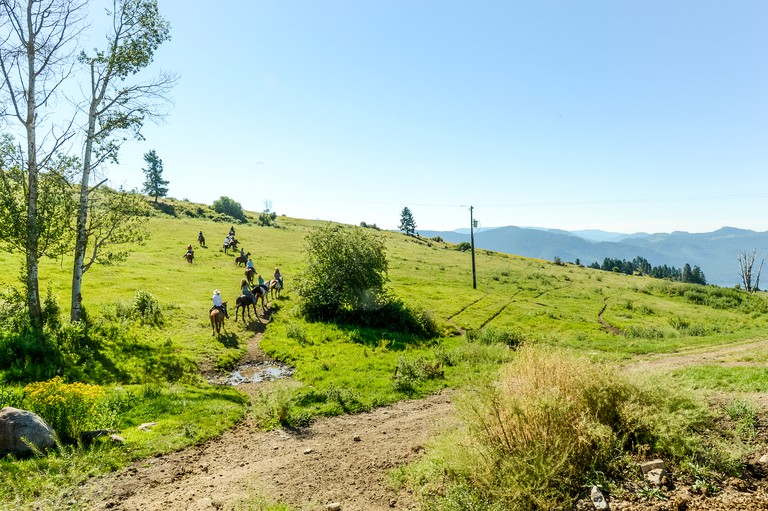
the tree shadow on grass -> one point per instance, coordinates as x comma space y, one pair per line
229, 340
377, 337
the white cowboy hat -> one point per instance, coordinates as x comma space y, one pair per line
216, 292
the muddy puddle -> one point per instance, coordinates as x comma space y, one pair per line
253, 372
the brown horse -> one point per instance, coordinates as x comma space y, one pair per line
274, 288
217, 320
189, 256
242, 259
249, 274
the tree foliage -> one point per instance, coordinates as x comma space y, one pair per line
55, 207
154, 185
37, 45
227, 206
115, 219
117, 104
407, 223
346, 269
640, 266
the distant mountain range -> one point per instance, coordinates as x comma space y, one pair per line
716, 253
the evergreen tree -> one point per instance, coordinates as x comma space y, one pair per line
155, 185
407, 223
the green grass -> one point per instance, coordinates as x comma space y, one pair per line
343, 369
184, 415
723, 378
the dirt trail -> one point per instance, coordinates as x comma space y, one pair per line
706, 355
342, 460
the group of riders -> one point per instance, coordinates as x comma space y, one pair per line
262, 287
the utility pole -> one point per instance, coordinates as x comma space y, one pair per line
472, 239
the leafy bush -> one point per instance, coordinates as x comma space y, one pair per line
410, 371
229, 207
267, 219
345, 270
463, 246
69, 408
11, 396
146, 308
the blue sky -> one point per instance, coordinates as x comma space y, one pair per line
617, 115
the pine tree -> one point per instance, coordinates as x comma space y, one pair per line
155, 185
407, 223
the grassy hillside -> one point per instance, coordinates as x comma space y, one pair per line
341, 368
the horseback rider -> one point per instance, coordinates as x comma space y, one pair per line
244, 289
279, 277
242, 253
249, 265
190, 252
232, 232
217, 303
262, 284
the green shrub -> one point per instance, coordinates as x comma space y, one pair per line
491, 335
410, 371
745, 416
463, 246
345, 270
229, 207
297, 333
28, 355
11, 396
146, 308
267, 219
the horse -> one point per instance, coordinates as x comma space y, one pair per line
275, 286
243, 302
231, 244
242, 259
249, 274
189, 256
201, 239
217, 320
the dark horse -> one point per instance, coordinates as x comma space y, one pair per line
244, 301
249, 274
189, 256
201, 239
242, 259
217, 320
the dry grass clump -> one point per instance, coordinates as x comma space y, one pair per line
551, 424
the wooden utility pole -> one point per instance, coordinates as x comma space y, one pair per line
472, 239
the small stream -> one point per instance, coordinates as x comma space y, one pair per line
253, 372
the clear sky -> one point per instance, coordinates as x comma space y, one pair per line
618, 115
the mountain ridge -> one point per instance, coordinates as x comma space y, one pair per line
716, 252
